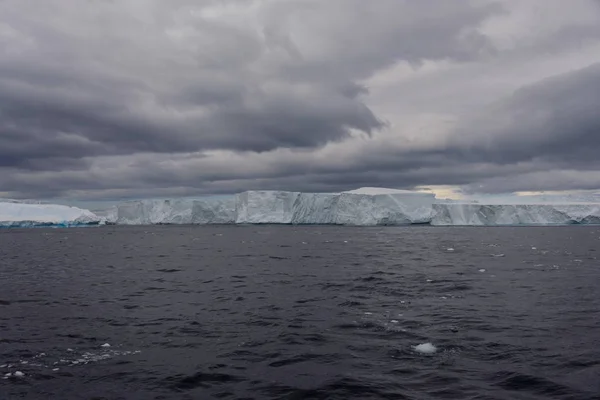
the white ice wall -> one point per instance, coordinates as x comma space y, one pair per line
27, 214
265, 207
515, 214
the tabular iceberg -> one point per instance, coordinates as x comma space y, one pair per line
265, 207
148, 212
213, 212
515, 214
177, 211
373, 206
360, 207
21, 214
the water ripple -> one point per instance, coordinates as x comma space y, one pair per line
299, 313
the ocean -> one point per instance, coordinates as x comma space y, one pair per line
300, 312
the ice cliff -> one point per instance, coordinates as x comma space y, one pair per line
361, 207
179, 211
515, 214
29, 214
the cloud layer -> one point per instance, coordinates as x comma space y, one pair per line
107, 100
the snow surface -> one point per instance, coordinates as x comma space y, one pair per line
378, 190
17, 214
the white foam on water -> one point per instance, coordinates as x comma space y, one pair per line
42, 361
425, 348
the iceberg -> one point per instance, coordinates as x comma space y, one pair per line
29, 214
375, 206
151, 212
360, 207
207, 212
452, 214
315, 209
173, 211
265, 207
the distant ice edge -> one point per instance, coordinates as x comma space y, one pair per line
15, 214
361, 207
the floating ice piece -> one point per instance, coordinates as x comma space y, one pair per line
449, 249
19, 374
497, 255
482, 270
394, 321
425, 348
105, 345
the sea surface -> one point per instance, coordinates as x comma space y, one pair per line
283, 312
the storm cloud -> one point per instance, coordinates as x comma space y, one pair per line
111, 100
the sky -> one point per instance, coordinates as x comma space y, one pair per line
104, 99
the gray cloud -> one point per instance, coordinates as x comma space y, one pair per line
118, 99
554, 120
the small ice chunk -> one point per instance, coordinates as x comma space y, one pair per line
19, 374
449, 249
425, 348
105, 345
534, 248
3, 366
429, 280
394, 321
497, 255
55, 369
69, 349
482, 270
368, 313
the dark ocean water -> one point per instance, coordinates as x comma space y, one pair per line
281, 312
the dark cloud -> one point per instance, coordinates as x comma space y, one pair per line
117, 99
554, 120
